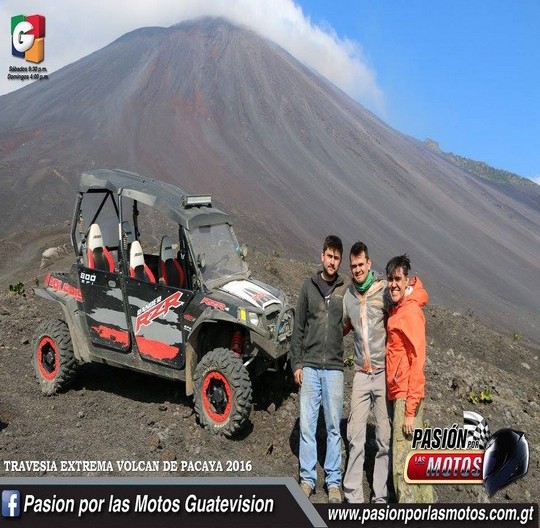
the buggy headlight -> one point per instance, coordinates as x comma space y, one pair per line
253, 318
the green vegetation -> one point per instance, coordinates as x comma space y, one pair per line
473, 397
485, 396
479, 168
349, 361
484, 170
17, 289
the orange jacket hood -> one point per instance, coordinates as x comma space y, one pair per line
414, 294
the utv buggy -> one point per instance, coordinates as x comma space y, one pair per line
160, 286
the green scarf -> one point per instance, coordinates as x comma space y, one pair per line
364, 287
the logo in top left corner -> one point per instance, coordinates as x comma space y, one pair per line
11, 503
28, 37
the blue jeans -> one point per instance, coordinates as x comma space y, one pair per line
325, 387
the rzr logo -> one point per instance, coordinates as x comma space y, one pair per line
214, 304
158, 310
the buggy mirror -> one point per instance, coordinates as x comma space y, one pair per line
242, 251
201, 260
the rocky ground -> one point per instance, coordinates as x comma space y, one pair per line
116, 415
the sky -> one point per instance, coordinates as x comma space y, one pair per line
464, 73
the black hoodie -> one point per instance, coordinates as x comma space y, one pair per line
317, 339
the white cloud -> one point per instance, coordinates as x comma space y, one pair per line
76, 29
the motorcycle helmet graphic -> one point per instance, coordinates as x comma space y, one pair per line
506, 459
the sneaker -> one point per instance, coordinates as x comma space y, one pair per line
334, 495
306, 488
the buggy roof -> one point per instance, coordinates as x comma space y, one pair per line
168, 198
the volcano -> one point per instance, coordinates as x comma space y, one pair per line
215, 108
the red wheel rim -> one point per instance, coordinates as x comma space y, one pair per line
47, 358
216, 395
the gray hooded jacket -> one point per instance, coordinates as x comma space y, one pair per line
366, 314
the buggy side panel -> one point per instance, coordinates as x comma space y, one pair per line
104, 308
156, 313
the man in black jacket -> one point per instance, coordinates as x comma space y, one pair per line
317, 363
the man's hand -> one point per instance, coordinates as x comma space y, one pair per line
299, 376
408, 425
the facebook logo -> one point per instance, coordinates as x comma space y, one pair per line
11, 503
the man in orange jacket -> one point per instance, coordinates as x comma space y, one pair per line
405, 379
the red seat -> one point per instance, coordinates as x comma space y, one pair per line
137, 267
171, 272
99, 257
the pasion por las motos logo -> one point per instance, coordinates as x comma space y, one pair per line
467, 455
450, 455
28, 37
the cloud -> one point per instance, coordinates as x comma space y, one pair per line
78, 28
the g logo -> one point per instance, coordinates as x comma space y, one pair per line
21, 41
28, 37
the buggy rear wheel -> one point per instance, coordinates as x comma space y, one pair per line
52, 357
222, 395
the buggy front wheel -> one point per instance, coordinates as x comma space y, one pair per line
222, 395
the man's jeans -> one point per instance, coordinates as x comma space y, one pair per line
325, 387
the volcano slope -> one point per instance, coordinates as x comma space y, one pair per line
113, 415
215, 108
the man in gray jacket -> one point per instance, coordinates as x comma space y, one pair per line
365, 308
317, 364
